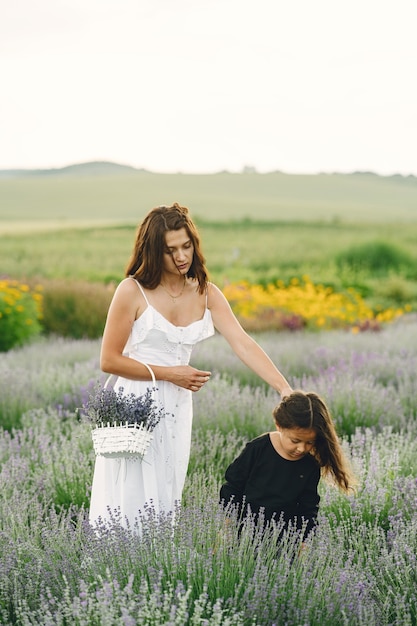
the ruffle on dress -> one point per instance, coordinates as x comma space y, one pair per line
152, 320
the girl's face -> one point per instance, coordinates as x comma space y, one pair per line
294, 443
179, 251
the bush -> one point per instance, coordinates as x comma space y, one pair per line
377, 257
395, 289
20, 313
75, 309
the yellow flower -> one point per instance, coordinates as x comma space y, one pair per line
317, 306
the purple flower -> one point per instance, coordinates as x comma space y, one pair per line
106, 406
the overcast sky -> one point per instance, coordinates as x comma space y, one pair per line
206, 85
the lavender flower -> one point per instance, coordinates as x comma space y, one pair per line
106, 406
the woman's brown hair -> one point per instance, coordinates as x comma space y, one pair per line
308, 410
146, 261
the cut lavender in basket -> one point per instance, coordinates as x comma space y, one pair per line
108, 407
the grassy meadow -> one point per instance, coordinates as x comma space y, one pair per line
251, 250
256, 227
359, 569
84, 194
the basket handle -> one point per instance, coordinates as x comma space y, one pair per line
150, 371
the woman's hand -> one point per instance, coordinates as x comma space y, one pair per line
189, 377
286, 391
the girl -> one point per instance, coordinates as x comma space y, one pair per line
278, 472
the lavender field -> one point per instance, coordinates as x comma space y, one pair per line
360, 568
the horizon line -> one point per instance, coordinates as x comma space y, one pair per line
246, 169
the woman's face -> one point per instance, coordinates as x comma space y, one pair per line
296, 442
179, 251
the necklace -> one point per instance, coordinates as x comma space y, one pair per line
174, 298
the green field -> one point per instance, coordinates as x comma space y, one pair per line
259, 227
245, 251
62, 200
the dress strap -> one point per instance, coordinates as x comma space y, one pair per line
141, 288
207, 295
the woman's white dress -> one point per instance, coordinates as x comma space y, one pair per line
123, 486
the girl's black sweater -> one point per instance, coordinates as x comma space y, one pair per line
260, 478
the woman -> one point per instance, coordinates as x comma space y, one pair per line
163, 307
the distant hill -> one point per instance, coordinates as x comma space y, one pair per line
105, 168
93, 168
110, 192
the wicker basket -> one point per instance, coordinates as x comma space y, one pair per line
126, 439
131, 439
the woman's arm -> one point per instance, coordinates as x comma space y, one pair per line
126, 305
246, 348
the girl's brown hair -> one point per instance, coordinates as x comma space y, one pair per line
308, 410
146, 261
